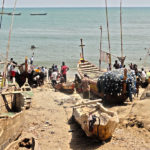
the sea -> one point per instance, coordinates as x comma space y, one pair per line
57, 35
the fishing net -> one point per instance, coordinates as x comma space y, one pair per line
111, 83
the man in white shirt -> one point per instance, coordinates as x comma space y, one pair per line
54, 77
143, 76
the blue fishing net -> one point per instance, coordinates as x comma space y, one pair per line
111, 83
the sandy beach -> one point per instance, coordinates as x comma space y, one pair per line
49, 120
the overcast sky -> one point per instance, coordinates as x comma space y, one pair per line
76, 3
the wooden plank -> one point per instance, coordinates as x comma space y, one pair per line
9, 93
88, 103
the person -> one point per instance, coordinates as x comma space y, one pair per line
143, 75
31, 59
37, 69
53, 66
64, 70
54, 77
12, 62
109, 67
137, 86
116, 65
131, 66
13, 74
85, 85
43, 69
46, 73
77, 82
56, 68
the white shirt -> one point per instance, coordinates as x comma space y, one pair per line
54, 75
143, 74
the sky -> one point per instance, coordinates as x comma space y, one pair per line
76, 3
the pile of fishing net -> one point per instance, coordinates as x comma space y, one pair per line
111, 83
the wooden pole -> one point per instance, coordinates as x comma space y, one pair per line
100, 60
82, 45
3, 1
8, 46
108, 33
122, 59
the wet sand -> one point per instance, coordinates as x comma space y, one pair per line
49, 121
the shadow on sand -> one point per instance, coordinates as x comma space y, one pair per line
79, 139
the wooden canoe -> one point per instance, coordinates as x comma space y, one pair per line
11, 117
33, 14
25, 141
65, 87
94, 73
95, 120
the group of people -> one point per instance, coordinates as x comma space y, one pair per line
55, 75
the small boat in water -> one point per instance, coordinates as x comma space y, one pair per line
95, 120
10, 13
33, 14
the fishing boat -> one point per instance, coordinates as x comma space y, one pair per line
25, 141
17, 14
94, 73
65, 87
33, 14
11, 116
95, 120
119, 87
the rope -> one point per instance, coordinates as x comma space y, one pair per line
3, 1
8, 46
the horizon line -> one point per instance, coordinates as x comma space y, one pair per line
82, 7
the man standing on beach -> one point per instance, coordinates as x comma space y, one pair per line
54, 77
64, 70
85, 84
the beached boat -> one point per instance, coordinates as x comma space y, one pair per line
25, 141
95, 120
32, 14
11, 116
94, 73
65, 87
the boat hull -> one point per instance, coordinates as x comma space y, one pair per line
10, 129
65, 87
104, 125
11, 117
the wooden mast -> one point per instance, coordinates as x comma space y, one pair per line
100, 61
122, 58
3, 1
108, 34
82, 45
8, 46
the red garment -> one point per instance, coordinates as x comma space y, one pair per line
13, 73
64, 69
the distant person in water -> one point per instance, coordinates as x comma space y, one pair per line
64, 70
